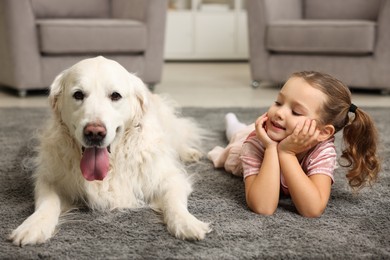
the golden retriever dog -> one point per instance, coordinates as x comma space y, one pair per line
111, 144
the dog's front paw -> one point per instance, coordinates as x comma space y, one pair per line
191, 155
188, 227
32, 231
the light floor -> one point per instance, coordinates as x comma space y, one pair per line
200, 84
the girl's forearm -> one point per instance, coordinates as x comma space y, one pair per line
262, 190
305, 194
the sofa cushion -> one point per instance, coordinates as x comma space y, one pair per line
321, 36
60, 36
342, 9
71, 8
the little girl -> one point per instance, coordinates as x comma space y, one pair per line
290, 149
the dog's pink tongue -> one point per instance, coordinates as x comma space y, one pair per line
94, 163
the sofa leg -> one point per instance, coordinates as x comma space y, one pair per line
255, 84
22, 93
385, 92
151, 86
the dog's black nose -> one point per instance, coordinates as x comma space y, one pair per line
94, 133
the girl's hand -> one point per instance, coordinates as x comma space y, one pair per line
261, 131
304, 137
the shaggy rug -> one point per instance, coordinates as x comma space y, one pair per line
352, 227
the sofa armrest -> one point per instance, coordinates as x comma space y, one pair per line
383, 30
257, 22
19, 51
153, 13
156, 19
260, 13
382, 49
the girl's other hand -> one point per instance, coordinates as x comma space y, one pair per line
304, 137
261, 131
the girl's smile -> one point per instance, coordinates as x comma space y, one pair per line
276, 127
275, 130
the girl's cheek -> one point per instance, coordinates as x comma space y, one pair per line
271, 111
290, 128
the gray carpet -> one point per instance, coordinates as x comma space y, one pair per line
353, 227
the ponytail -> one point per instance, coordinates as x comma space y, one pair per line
360, 144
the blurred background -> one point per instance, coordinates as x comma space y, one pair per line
208, 53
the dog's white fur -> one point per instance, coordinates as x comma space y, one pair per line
148, 144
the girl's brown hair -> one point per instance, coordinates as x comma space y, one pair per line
359, 133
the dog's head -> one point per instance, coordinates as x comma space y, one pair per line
96, 99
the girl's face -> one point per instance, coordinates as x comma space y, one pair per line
296, 102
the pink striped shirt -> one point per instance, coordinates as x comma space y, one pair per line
321, 159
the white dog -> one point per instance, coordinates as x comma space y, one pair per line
111, 144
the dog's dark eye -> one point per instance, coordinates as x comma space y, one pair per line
78, 95
115, 96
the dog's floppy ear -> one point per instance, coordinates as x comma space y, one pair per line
56, 89
141, 91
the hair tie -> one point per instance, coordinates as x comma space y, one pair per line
352, 108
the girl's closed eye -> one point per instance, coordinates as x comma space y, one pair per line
295, 113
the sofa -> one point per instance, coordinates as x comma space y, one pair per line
40, 38
349, 39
